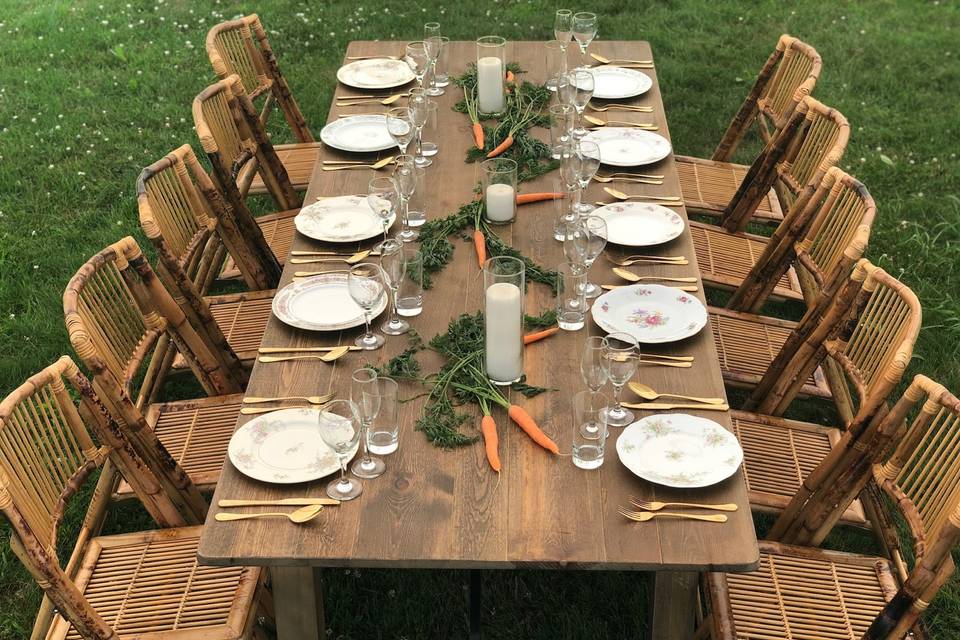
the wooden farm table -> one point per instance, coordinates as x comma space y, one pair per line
438, 508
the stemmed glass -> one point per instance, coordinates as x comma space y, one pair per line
563, 32
621, 357
584, 30
400, 126
418, 116
365, 394
580, 90
594, 375
433, 42
384, 198
366, 287
339, 427
394, 264
418, 60
588, 162
589, 239
406, 180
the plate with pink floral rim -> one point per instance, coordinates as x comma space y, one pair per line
651, 313
639, 224
679, 450
340, 219
321, 303
283, 447
617, 83
629, 147
376, 73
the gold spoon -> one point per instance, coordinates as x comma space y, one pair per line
620, 107
630, 180
354, 259
627, 174
601, 203
646, 126
632, 277
604, 60
309, 399
305, 349
300, 516
329, 356
648, 393
620, 195
385, 161
379, 164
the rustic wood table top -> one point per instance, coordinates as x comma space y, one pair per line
446, 508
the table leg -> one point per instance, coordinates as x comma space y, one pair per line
674, 605
298, 603
476, 601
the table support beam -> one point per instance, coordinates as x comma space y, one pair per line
674, 605
298, 603
476, 603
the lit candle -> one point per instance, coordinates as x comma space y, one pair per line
504, 332
490, 84
501, 201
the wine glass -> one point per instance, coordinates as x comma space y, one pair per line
621, 356
584, 30
365, 394
400, 126
406, 180
417, 104
581, 87
563, 29
383, 197
339, 427
589, 239
418, 60
588, 162
434, 42
366, 287
594, 375
394, 264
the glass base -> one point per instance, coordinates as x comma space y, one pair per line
422, 162
618, 418
386, 246
590, 430
429, 148
413, 308
416, 218
504, 383
368, 468
383, 443
408, 235
395, 327
441, 81
370, 342
579, 132
551, 84
570, 325
588, 456
584, 209
435, 90
345, 491
592, 290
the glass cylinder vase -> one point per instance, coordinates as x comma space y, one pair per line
499, 190
503, 282
491, 69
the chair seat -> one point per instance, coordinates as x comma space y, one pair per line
725, 259
778, 454
801, 593
748, 343
278, 230
242, 318
149, 585
708, 187
298, 159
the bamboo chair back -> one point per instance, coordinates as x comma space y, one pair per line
241, 47
789, 75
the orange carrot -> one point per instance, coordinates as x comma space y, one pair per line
526, 198
490, 442
480, 244
510, 76
500, 148
525, 422
539, 335
478, 135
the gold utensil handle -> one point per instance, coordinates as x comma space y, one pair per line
304, 349
315, 260
348, 167
730, 506
227, 517
719, 517
664, 363
283, 502
311, 399
695, 398
288, 358
252, 411
677, 358
664, 406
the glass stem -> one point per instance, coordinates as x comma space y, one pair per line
343, 471
366, 319
386, 223
617, 388
419, 142
395, 318
366, 446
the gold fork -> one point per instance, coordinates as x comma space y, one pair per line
639, 256
253, 411
620, 107
644, 516
329, 356
657, 506
308, 399
684, 288
628, 180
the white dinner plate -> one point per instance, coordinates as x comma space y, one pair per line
617, 83
283, 447
321, 303
360, 134
640, 224
340, 219
376, 73
679, 450
651, 313
629, 146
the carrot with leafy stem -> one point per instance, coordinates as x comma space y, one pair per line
491, 442
527, 116
479, 240
527, 198
470, 98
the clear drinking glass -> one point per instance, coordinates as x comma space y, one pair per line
366, 286
584, 30
565, 90
428, 147
417, 103
491, 69
588, 162
433, 42
339, 428
365, 394
418, 60
581, 86
384, 198
384, 434
563, 209
400, 126
571, 303
503, 281
556, 59
594, 374
392, 263
500, 190
405, 175
589, 239
440, 76
417, 203
621, 356
561, 125
410, 295
589, 423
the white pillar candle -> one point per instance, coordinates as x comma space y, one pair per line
490, 84
504, 335
501, 201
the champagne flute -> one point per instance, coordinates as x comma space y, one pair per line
393, 262
366, 287
384, 198
621, 356
417, 105
339, 428
406, 180
563, 29
588, 156
594, 375
590, 238
365, 394
433, 42
418, 60
581, 86
400, 126
584, 30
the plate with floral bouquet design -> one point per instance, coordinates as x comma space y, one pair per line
283, 447
340, 219
679, 450
651, 313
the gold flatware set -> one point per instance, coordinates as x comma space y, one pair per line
597, 122
654, 509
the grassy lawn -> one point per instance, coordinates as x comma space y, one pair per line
92, 91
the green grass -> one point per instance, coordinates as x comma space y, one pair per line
90, 92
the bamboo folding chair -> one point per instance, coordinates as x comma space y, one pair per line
803, 592
823, 240
789, 75
118, 315
232, 49
868, 328
183, 215
145, 584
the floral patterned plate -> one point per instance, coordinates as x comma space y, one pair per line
651, 313
283, 447
340, 219
321, 303
629, 147
360, 134
679, 450
616, 83
376, 73
639, 224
